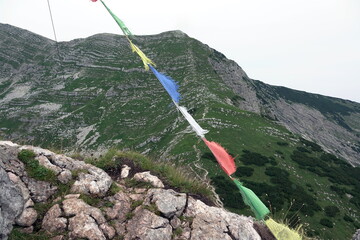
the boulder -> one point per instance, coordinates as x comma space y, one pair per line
40, 191
146, 225
27, 217
125, 171
95, 182
122, 206
168, 202
53, 222
217, 223
84, 226
147, 177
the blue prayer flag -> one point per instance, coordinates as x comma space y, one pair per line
168, 83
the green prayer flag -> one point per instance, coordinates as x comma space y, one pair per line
125, 30
250, 199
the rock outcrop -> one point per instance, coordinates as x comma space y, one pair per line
94, 212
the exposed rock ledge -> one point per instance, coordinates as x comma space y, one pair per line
130, 213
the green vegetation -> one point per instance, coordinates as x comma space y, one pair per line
34, 169
16, 234
175, 176
244, 172
253, 158
331, 211
326, 222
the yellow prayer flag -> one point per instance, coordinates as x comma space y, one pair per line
143, 57
281, 231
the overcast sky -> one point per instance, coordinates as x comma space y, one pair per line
310, 45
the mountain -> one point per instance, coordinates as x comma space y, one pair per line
78, 96
92, 94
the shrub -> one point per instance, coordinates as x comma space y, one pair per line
348, 218
254, 158
326, 222
331, 211
244, 171
314, 147
302, 159
284, 144
302, 149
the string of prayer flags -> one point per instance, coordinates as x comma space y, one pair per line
169, 84
226, 161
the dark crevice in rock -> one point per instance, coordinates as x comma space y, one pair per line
186, 204
263, 231
228, 232
94, 220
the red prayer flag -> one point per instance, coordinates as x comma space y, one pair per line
93, 0
226, 161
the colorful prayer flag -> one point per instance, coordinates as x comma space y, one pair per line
121, 24
252, 200
226, 161
281, 231
143, 57
168, 83
195, 126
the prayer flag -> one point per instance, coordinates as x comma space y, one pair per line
226, 161
195, 126
143, 57
281, 231
250, 199
168, 83
121, 24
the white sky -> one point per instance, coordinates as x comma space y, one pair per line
310, 45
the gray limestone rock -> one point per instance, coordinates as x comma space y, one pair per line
169, 202
53, 222
40, 191
147, 177
145, 225
217, 223
27, 217
95, 182
11, 204
356, 235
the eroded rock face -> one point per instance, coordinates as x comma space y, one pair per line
11, 203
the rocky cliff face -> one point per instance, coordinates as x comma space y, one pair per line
81, 203
91, 93
332, 123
